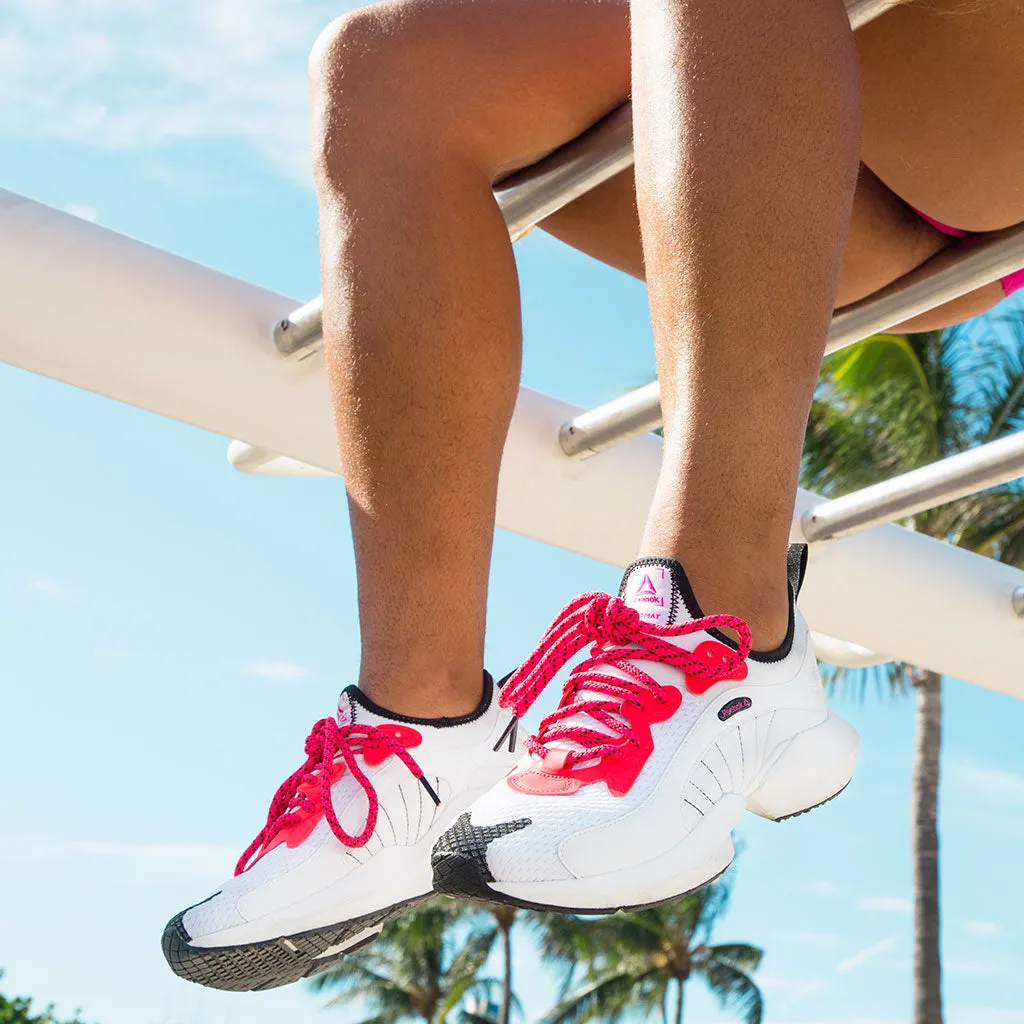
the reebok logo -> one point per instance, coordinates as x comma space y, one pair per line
648, 593
734, 707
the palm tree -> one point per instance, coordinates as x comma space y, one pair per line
504, 918
421, 968
888, 405
639, 963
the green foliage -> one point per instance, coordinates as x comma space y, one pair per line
635, 965
422, 968
19, 1011
893, 403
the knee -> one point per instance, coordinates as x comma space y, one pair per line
372, 87
350, 55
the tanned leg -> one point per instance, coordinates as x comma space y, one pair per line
747, 129
418, 107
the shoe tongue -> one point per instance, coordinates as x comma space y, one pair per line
659, 591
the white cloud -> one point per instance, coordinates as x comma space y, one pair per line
984, 929
852, 963
149, 860
886, 904
48, 588
116, 74
283, 670
89, 213
820, 888
990, 783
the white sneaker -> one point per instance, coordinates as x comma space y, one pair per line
347, 843
631, 788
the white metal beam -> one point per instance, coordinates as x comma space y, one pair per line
112, 315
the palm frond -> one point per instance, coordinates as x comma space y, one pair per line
609, 999
858, 369
474, 953
740, 955
578, 945
348, 973
563, 942
486, 992
378, 1018
990, 523
735, 990
711, 903
467, 1017
994, 392
890, 678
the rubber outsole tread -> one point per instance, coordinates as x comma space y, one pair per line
807, 810
254, 967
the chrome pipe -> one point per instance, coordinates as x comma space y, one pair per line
949, 275
630, 415
969, 472
602, 151
301, 332
953, 273
861, 12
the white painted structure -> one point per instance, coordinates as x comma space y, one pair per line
96, 309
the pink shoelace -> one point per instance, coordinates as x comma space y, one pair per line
620, 638
296, 799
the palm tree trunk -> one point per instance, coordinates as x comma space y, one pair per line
505, 924
927, 958
680, 982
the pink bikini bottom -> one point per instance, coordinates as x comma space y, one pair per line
1010, 283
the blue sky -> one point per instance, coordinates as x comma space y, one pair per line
169, 628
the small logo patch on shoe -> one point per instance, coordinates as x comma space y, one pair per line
648, 593
734, 707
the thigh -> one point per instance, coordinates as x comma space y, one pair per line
943, 82
512, 80
886, 239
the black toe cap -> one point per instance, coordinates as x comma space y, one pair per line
459, 858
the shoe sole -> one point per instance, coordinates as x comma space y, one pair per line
461, 879
256, 966
831, 747
807, 810
496, 896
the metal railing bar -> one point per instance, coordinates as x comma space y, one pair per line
959, 272
988, 465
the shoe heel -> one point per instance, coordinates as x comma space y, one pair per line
816, 765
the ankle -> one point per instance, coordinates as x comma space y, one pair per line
764, 608
755, 591
768, 626
422, 689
